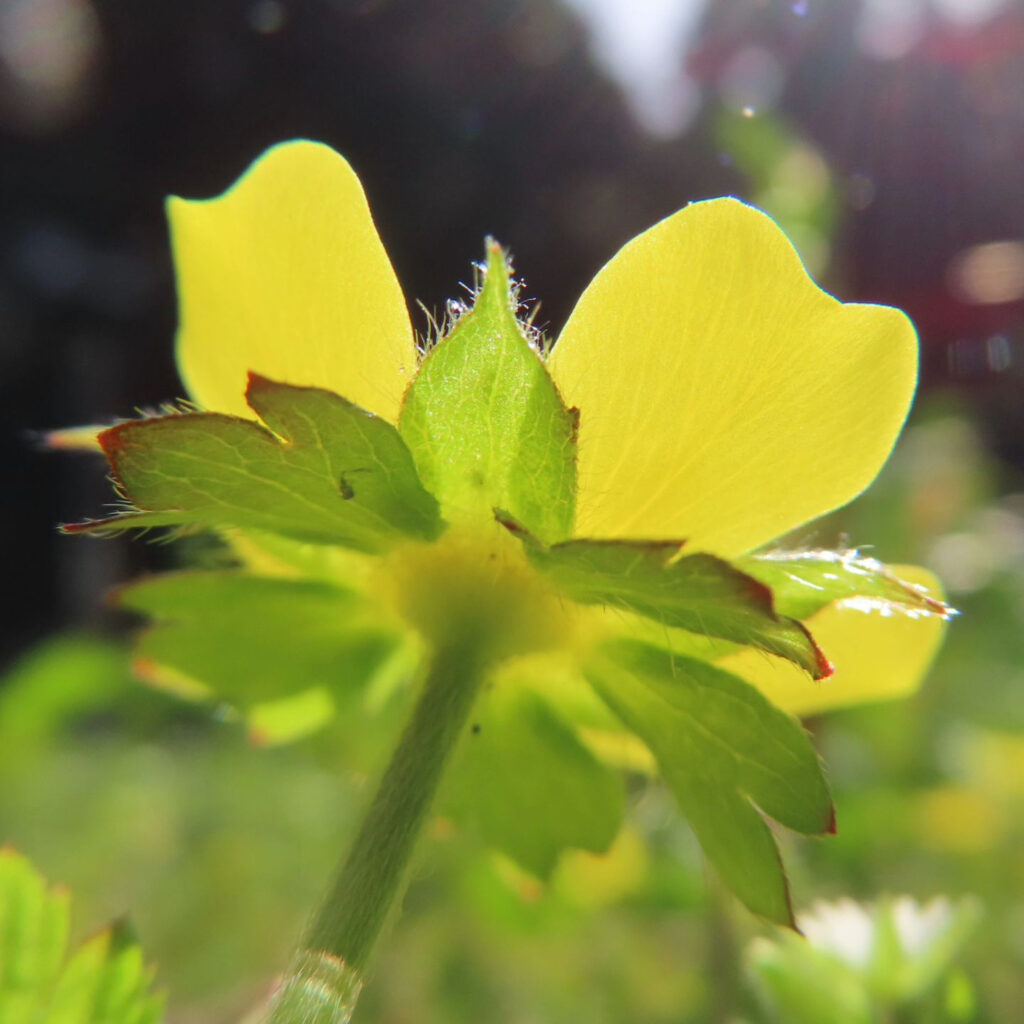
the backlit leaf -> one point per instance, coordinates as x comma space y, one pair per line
33, 938
252, 639
325, 471
881, 650
523, 775
804, 582
727, 754
105, 981
699, 593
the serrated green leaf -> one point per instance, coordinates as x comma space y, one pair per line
725, 751
33, 937
105, 981
485, 423
804, 582
699, 593
325, 471
523, 776
252, 639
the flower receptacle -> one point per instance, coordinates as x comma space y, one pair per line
474, 590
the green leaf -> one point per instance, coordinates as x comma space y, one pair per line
699, 593
325, 471
33, 937
530, 785
104, 982
485, 423
804, 582
52, 684
725, 751
252, 639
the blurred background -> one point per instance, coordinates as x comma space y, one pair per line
886, 136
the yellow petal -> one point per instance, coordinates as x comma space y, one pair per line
723, 396
284, 274
879, 654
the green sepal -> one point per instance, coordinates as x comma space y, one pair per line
322, 470
728, 754
485, 422
525, 779
699, 593
252, 639
105, 981
804, 582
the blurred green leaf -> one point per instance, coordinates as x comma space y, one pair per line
699, 593
254, 639
105, 981
726, 752
61, 678
523, 775
33, 938
486, 424
325, 471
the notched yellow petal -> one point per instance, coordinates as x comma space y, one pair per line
880, 652
284, 275
723, 396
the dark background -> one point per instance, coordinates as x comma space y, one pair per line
462, 119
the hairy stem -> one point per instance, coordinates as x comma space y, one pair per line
325, 977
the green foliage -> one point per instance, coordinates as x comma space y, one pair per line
726, 752
485, 422
523, 775
105, 981
861, 965
253, 639
699, 593
325, 471
68, 676
803, 582
483, 432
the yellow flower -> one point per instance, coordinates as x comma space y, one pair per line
723, 397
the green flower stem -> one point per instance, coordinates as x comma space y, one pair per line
372, 874
325, 978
